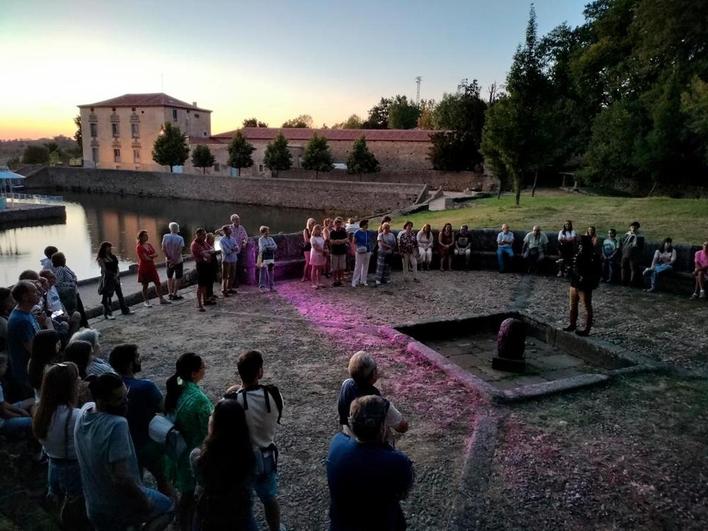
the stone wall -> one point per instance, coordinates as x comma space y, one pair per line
345, 197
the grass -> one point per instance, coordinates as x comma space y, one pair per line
685, 220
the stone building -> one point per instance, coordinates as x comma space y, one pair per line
119, 133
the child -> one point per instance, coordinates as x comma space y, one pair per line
266, 258
318, 255
610, 250
15, 419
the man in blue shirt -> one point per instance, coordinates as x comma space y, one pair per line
367, 478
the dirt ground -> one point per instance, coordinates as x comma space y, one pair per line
596, 458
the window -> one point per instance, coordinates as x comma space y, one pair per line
94, 154
174, 115
136, 155
115, 129
216, 166
94, 130
260, 168
116, 155
196, 116
135, 130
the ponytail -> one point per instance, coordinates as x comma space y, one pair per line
186, 365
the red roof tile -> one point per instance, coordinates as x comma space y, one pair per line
344, 135
156, 99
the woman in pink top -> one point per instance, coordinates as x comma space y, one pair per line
700, 272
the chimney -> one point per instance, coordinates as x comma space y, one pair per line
194, 103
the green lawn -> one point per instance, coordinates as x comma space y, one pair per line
685, 220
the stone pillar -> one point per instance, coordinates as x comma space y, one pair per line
511, 343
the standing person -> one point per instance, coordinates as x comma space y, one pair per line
663, 261
407, 247
318, 258
191, 409
46, 262
567, 240
172, 248
700, 272
266, 257
224, 469
463, 244
505, 247
213, 269
229, 258
201, 252
241, 236
426, 241
367, 478
147, 272
115, 496
610, 252
592, 232
534, 250
338, 251
445, 242
110, 281
144, 401
326, 229
53, 426
631, 248
307, 247
363, 246
584, 278
263, 405
15, 418
387, 245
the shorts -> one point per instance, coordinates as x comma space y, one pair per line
339, 262
64, 477
176, 270
205, 276
266, 484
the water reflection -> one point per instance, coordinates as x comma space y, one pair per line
93, 218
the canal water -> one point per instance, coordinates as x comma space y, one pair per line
93, 218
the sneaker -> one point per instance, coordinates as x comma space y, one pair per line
694, 296
364, 284
378, 282
147, 305
171, 297
110, 317
129, 312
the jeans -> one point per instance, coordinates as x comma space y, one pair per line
266, 275
608, 269
160, 506
653, 274
108, 302
361, 268
502, 253
17, 427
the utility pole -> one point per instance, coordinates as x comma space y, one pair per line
418, 79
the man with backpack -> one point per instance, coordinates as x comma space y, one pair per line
263, 405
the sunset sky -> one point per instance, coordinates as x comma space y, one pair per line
269, 59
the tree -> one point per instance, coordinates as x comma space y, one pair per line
252, 122
317, 155
202, 157
304, 121
353, 122
361, 160
35, 155
78, 134
402, 114
240, 152
170, 147
427, 112
378, 115
277, 155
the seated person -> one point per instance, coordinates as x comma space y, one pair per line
505, 249
534, 250
363, 374
15, 419
700, 272
662, 262
79, 352
97, 365
463, 244
367, 478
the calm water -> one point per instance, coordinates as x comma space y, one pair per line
93, 218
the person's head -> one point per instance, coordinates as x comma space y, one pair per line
235, 220
536, 229
189, 368
634, 226
362, 368
367, 416
250, 367
29, 274
60, 387
125, 359
91, 336
49, 275
264, 230
45, 347
667, 245
386, 227
568, 225
612, 233
58, 259
226, 229
49, 250
505, 228
427, 228
143, 236
174, 227
591, 231
210, 238
25, 293
310, 223
408, 226
386, 219
104, 250
326, 222
364, 224
79, 352
317, 230
200, 234
447, 228
110, 394
464, 229
338, 223
705, 246
6, 301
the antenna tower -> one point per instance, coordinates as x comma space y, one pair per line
418, 79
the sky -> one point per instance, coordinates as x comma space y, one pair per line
272, 59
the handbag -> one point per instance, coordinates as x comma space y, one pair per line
164, 432
363, 248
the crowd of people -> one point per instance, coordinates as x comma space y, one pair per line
98, 423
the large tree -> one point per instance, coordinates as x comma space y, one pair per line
303, 121
317, 155
253, 122
35, 155
170, 147
360, 159
277, 155
378, 115
402, 114
78, 136
240, 151
202, 157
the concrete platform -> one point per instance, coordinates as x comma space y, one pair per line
21, 214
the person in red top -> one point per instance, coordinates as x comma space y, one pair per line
147, 272
201, 251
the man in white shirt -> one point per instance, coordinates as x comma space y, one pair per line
172, 246
535, 243
263, 406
